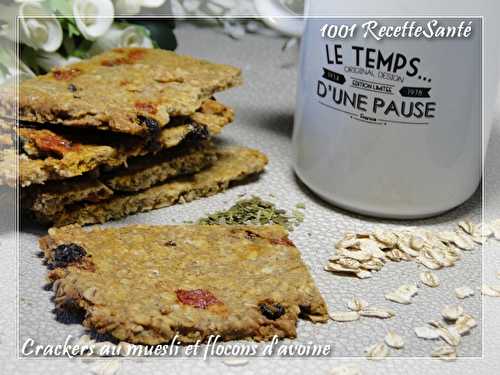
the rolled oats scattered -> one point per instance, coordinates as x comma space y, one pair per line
393, 340
432, 249
465, 323
377, 351
464, 292
452, 312
464, 241
370, 247
376, 312
429, 279
364, 274
373, 264
445, 352
403, 294
349, 263
357, 304
468, 227
490, 291
450, 335
416, 243
426, 333
344, 316
335, 267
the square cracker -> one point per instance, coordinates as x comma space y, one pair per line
124, 90
145, 284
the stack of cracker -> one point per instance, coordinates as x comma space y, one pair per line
124, 132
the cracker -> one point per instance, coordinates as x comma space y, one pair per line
59, 154
145, 284
233, 164
144, 172
124, 90
140, 174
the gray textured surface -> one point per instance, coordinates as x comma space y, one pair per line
264, 108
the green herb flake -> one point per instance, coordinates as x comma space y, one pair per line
254, 211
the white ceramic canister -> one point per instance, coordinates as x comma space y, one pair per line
392, 127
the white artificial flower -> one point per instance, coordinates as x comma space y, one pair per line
93, 17
116, 37
48, 61
38, 28
128, 7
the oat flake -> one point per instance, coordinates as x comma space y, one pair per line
394, 340
445, 352
490, 291
377, 351
376, 312
233, 362
450, 335
426, 333
429, 279
465, 323
357, 304
452, 312
344, 316
464, 292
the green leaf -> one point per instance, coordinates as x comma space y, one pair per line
73, 30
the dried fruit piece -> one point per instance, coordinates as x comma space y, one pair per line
198, 298
426, 333
464, 292
272, 311
377, 351
429, 279
394, 340
344, 316
67, 253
